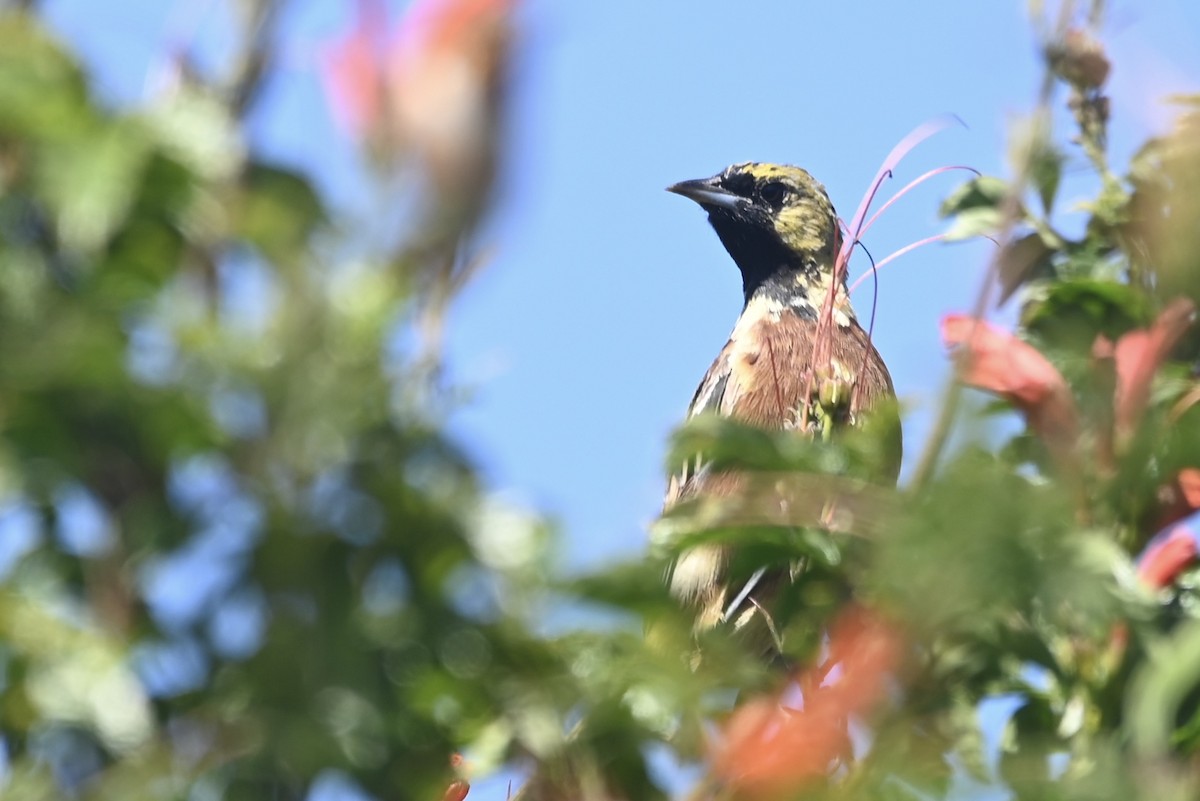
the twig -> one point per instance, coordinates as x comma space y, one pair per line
1010, 215
258, 55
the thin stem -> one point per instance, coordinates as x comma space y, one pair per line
875, 268
256, 58
862, 365
1010, 215
822, 337
909, 187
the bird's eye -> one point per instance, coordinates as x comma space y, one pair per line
772, 193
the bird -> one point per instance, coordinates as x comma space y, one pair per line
780, 228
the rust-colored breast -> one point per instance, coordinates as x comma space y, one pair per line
761, 375
768, 361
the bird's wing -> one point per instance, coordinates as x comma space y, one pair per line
713, 395
743, 385
757, 378
710, 395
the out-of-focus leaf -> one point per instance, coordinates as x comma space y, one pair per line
78, 675
42, 92
634, 586
792, 499
195, 128
1045, 172
91, 179
987, 541
1110, 210
967, 736
984, 192
1075, 311
1160, 687
1020, 260
974, 222
278, 211
722, 441
724, 444
1024, 761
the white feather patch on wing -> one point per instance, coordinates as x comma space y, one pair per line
696, 572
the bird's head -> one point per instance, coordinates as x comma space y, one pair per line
776, 221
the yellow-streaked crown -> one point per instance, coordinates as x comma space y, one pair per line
804, 219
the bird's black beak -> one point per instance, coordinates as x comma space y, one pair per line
708, 192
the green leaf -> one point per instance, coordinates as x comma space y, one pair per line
1020, 260
1023, 746
1158, 691
1075, 311
724, 444
984, 192
964, 730
1045, 171
278, 211
981, 221
91, 181
42, 92
1109, 210
195, 128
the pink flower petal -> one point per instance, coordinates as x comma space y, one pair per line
352, 70
457, 791
996, 361
1180, 498
1167, 555
1189, 487
445, 88
913, 138
1138, 355
768, 749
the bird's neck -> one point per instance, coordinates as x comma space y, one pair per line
802, 287
774, 271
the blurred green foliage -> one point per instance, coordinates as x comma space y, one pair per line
239, 552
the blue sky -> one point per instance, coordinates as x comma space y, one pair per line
608, 297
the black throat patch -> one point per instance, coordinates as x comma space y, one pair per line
765, 263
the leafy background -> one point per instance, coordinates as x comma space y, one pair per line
252, 540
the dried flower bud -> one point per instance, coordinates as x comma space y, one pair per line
1079, 60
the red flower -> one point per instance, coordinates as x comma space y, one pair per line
353, 71
768, 749
1138, 355
1189, 487
446, 87
998, 362
1180, 498
429, 89
457, 791
458, 788
1166, 556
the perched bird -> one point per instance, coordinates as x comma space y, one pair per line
778, 224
